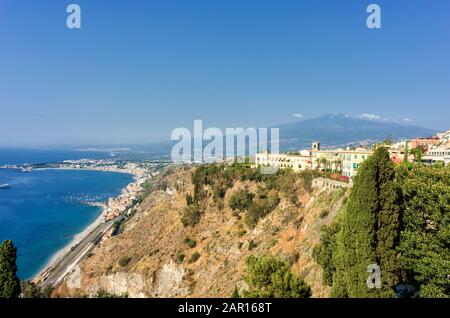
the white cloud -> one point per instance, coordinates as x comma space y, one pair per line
369, 116
407, 119
298, 115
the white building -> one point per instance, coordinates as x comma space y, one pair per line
345, 161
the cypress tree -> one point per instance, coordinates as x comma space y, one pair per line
339, 285
9, 283
357, 247
406, 154
387, 215
369, 231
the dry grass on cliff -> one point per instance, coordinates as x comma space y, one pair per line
151, 258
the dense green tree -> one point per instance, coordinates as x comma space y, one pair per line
357, 246
339, 286
9, 282
323, 252
387, 227
369, 232
425, 234
269, 277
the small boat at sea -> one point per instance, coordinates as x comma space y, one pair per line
5, 186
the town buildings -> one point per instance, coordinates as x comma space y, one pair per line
440, 151
343, 161
424, 143
296, 161
347, 161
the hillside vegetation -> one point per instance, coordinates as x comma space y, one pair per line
397, 218
216, 231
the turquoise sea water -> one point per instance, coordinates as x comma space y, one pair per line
43, 210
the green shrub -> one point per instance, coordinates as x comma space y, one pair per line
241, 200
307, 178
323, 252
189, 199
194, 257
189, 242
191, 215
263, 205
105, 294
293, 258
242, 232
324, 213
31, 290
269, 277
124, 261
180, 258
251, 245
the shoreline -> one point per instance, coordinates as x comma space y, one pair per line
135, 176
76, 239
60, 254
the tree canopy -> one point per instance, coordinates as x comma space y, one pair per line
269, 277
398, 218
9, 282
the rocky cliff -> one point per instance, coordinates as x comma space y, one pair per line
157, 256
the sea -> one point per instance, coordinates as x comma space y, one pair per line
43, 210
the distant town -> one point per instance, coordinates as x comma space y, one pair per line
116, 206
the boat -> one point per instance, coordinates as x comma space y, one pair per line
5, 186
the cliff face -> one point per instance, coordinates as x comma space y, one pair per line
156, 256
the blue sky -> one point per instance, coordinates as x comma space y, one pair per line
138, 69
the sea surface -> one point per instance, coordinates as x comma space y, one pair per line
44, 209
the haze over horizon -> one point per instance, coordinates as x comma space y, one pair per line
132, 76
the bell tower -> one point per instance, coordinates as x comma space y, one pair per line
315, 146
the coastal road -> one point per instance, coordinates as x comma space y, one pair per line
53, 275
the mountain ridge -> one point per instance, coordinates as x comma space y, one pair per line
339, 129
332, 130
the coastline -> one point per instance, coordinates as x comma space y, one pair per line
60, 254
77, 238
135, 175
